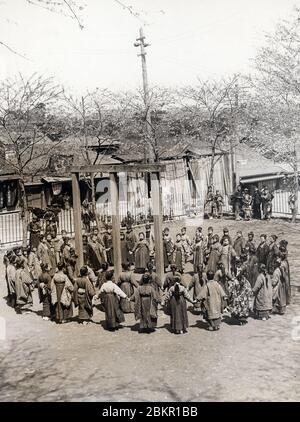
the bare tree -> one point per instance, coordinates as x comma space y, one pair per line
26, 128
214, 113
277, 83
95, 122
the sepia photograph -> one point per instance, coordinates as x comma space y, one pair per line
149, 204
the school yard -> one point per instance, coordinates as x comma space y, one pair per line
41, 361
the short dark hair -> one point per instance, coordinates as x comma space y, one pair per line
210, 275
104, 266
109, 275
83, 271
60, 266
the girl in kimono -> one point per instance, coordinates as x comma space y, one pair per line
61, 295
212, 297
131, 242
71, 264
186, 243
107, 240
273, 254
252, 266
145, 304
83, 295
44, 291
34, 265
168, 246
127, 284
285, 267
198, 252
214, 255
23, 286
179, 254
263, 293
123, 248
177, 297
10, 275
227, 255
198, 281
222, 276
279, 289
142, 254
109, 294
239, 298
96, 253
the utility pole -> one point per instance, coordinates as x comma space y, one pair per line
235, 177
141, 43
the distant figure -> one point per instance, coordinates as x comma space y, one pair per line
236, 201
246, 204
209, 203
256, 204
267, 198
219, 203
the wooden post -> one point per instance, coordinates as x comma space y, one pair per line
114, 198
157, 217
77, 220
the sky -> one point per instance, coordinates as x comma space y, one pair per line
189, 39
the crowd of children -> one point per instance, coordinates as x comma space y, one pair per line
236, 276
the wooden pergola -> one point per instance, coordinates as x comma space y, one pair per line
113, 170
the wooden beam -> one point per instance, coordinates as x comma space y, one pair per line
120, 168
77, 220
158, 222
115, 216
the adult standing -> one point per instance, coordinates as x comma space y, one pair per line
236, 200
256, 204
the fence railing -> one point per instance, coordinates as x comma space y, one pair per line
11, 224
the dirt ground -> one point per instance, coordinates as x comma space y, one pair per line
41, 361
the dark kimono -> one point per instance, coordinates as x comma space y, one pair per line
179, 256
131, 241
168, 251
145, 300
107, 240
96, 254
127, 284
238, 245
279, 291
109, 294
44, 291
124, 251
198, 255
83, 295
35, 232
252, 269
287, 281
214, 257
198, 281
61, 296
23, 287
179, 317
271, 258
142, 255
262, 253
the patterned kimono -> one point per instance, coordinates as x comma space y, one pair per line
214, 257
168, 251
23, 286
198, 254
240, 294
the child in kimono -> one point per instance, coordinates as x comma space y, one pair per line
212, 297
177, 297
142, 254
179, 254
